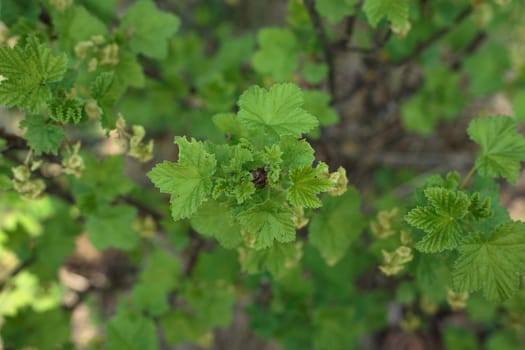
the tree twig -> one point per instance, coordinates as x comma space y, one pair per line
325, 43
423, 45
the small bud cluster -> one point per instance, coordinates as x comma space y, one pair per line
395, 261
61, 5
23, 184
99, 51
92, 109
457, 300
146, 226
340, 182
136, 147
401, 30
382, 227
4, 31
73, 164
299, 219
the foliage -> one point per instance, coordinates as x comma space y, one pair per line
248, 209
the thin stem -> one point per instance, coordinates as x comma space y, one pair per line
422, 46
317, 23
467, 178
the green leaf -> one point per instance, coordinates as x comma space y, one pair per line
162, 269
101, 85
101, 182
278, 259
178, 327
492, 264
278, 110
314, 73
26, 72
128, 73
157, 279
440, 220
335, 10
318, 103
216, 220
502, 147
268, 222
42, 136
111, 227
45, 330
211, 303
296, 153
459, 338
150, 298
395, 10
337, 225
277, 54
189, 180
64, 110
75, 25
150, 28
307, 183
131, 334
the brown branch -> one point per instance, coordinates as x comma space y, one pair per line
325, 43
423, 45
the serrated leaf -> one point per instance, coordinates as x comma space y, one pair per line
267, 223
296, 153
216, 220
111, 227
278, 259
189, 180
100, 86
440, 220
137, 333
494, 264
149, 28
306, 185
42, 136
64, 110
395, 10
502, 147
478, 208
27, 70
278, 110
337, 225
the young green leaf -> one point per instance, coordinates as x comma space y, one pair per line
149, 28
278, 110
42, 136
64, 110
306, 185
26, 71
492, 264
395, 10
189, 180
440, 220
339, 223
268, 222
502, 147
216, 220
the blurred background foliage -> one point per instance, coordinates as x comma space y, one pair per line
393, 99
